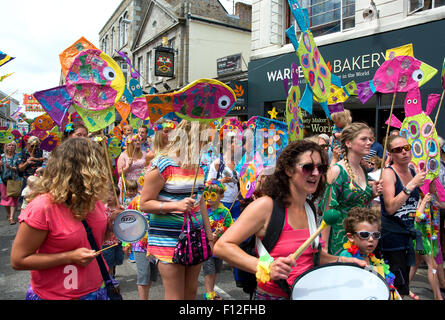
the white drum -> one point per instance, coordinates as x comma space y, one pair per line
130, 226
340, 281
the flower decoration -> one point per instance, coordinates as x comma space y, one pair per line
263, 268
160, 126
69, 128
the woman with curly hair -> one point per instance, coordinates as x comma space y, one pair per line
166, 195
347, 183
51, 240
300, 174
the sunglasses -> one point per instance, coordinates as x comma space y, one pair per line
308, 168
324, 146
212, 196
406, 147
364, 235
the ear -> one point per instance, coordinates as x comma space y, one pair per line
350, 237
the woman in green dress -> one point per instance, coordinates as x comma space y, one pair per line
347, 183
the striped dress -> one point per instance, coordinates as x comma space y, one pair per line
165, 228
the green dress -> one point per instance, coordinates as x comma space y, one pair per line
343, 199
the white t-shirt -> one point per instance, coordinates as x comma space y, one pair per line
231, 188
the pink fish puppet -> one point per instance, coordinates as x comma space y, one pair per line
94, 82
419, 130
400, 72
203, 100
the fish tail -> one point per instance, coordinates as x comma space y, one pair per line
365, 90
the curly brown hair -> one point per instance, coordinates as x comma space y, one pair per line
276, 185
75, 176
358, 215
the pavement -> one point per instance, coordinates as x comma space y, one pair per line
13, 284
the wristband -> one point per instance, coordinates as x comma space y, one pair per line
407, 191
263, 268
160, 207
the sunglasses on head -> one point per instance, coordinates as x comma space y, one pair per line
308, 168
406, 147
364, 235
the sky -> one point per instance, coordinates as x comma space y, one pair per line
36, 31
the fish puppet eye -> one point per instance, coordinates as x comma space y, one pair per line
109, 73
224, 102
414, 101
417, 75
408, 101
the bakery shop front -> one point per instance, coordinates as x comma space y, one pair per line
353, 60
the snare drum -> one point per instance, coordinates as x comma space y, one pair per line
340, 281
130, 226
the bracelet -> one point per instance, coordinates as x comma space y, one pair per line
338, 259
263, 268
160, 207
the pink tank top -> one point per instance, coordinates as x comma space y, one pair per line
290, 240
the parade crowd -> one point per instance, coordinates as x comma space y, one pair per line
370, 216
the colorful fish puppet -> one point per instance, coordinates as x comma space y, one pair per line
316, 73
69, 54
419, 130
43, 122
6, 136
114, 147
94, 82
294, 117
50, 142
400, 72
249, 174
203, 100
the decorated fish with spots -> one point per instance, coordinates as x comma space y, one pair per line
294, 116
114, 147
203, 100
400, 72
316, 73
419, 130
94, 82
249, 174
6, 136
43, 122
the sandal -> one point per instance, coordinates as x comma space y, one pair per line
413, 296
11, 221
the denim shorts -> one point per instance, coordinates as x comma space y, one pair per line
212, 266
114, 256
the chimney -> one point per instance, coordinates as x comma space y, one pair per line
244, 12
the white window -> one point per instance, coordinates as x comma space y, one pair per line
123, 29
420, 5
149, 67
140, 68
112, 40
328, 16
105, 44
124, 68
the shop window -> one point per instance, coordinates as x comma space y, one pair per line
327, 16
421, 5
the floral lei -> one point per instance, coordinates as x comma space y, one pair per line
380, 266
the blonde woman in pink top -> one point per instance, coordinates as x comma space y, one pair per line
51, 240
300, 172
131, 162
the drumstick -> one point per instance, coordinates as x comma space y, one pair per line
113, 245
330, 217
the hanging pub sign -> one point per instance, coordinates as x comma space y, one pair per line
229, 64
164, 62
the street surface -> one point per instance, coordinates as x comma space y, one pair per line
13, 284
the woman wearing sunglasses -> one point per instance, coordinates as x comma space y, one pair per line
300, 173
348, 184
399, 203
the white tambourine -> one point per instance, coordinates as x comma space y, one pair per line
130, 226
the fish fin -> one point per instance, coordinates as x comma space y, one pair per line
406, 50
158, 107
300, 14
440, 189
55, 102
335, 80
396, 123
365, 90
290, 32
431, 103
128, 96
324, 105
307, 100
425, 188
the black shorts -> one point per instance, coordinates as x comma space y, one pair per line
399, 266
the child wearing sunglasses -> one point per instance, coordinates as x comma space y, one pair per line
362, 227
220, 220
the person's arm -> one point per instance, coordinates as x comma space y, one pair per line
123, 164
28, 240
329, 258
153, 184
393, 202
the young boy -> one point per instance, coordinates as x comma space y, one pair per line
220, 219
362, 227
131, 189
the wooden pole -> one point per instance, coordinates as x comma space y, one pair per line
110, 170
382, 166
